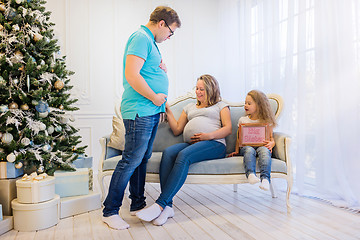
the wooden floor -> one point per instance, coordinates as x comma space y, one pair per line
216, 212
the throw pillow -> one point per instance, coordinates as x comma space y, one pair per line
117, 137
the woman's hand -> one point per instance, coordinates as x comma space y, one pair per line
163, 66
200, 137
233, 154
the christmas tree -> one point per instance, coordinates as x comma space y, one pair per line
35, 124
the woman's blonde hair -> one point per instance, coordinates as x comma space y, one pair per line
212, 89
265, 113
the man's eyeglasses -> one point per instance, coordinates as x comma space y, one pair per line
171, 31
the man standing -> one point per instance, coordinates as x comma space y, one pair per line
145, 90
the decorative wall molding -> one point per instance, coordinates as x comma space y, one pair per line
77, 17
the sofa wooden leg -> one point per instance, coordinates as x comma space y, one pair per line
289, 186
101, 183
235, 186
272, 190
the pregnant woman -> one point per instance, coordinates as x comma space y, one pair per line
205, 125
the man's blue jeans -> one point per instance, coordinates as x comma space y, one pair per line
139, 138
250, 154
175, 163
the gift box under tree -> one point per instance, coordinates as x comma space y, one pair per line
9, 170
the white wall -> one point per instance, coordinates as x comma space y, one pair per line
92, 34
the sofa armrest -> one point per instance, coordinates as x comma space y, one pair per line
282, 143
106, 152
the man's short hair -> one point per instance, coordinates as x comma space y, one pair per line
167, 14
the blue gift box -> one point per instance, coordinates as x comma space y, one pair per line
83, 162
68, 184
8, 170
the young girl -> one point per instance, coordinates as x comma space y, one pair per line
257, 109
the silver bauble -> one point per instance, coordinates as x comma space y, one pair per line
7, 138
11, 157
25, 141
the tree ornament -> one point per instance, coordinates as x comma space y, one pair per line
25, 141
7, 138
2, 7
43, 114
2, 82
58, 128
24, 107
61, 107
16, 27
11, 157
22, 68
64, 119
19, 165
13, 105
46, 148
59, 84
28, 82
41, 169
3, 108
38, 37
42, 126
16, 81
11, 14
42, 106
50, 129
1, 27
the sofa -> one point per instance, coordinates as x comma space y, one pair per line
219, 171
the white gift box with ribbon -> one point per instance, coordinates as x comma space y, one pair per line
35, 188
37, 216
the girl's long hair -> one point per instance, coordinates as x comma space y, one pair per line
265, 113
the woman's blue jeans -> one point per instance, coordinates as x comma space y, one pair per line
139, 138
175, 163
250, 154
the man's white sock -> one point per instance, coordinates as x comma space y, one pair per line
115, 222
150, 213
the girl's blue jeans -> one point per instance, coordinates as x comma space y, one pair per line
139, 138
250, 154
175, 163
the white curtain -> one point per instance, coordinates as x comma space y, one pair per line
308, 52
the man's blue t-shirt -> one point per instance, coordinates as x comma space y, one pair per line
142, 44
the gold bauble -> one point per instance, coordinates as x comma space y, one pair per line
2, 7
61, 107
24, 107
19, 54
38, 37
13, 105
19, 165
59, 84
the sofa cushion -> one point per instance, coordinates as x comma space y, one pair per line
165, 138
117, 139
233, 165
